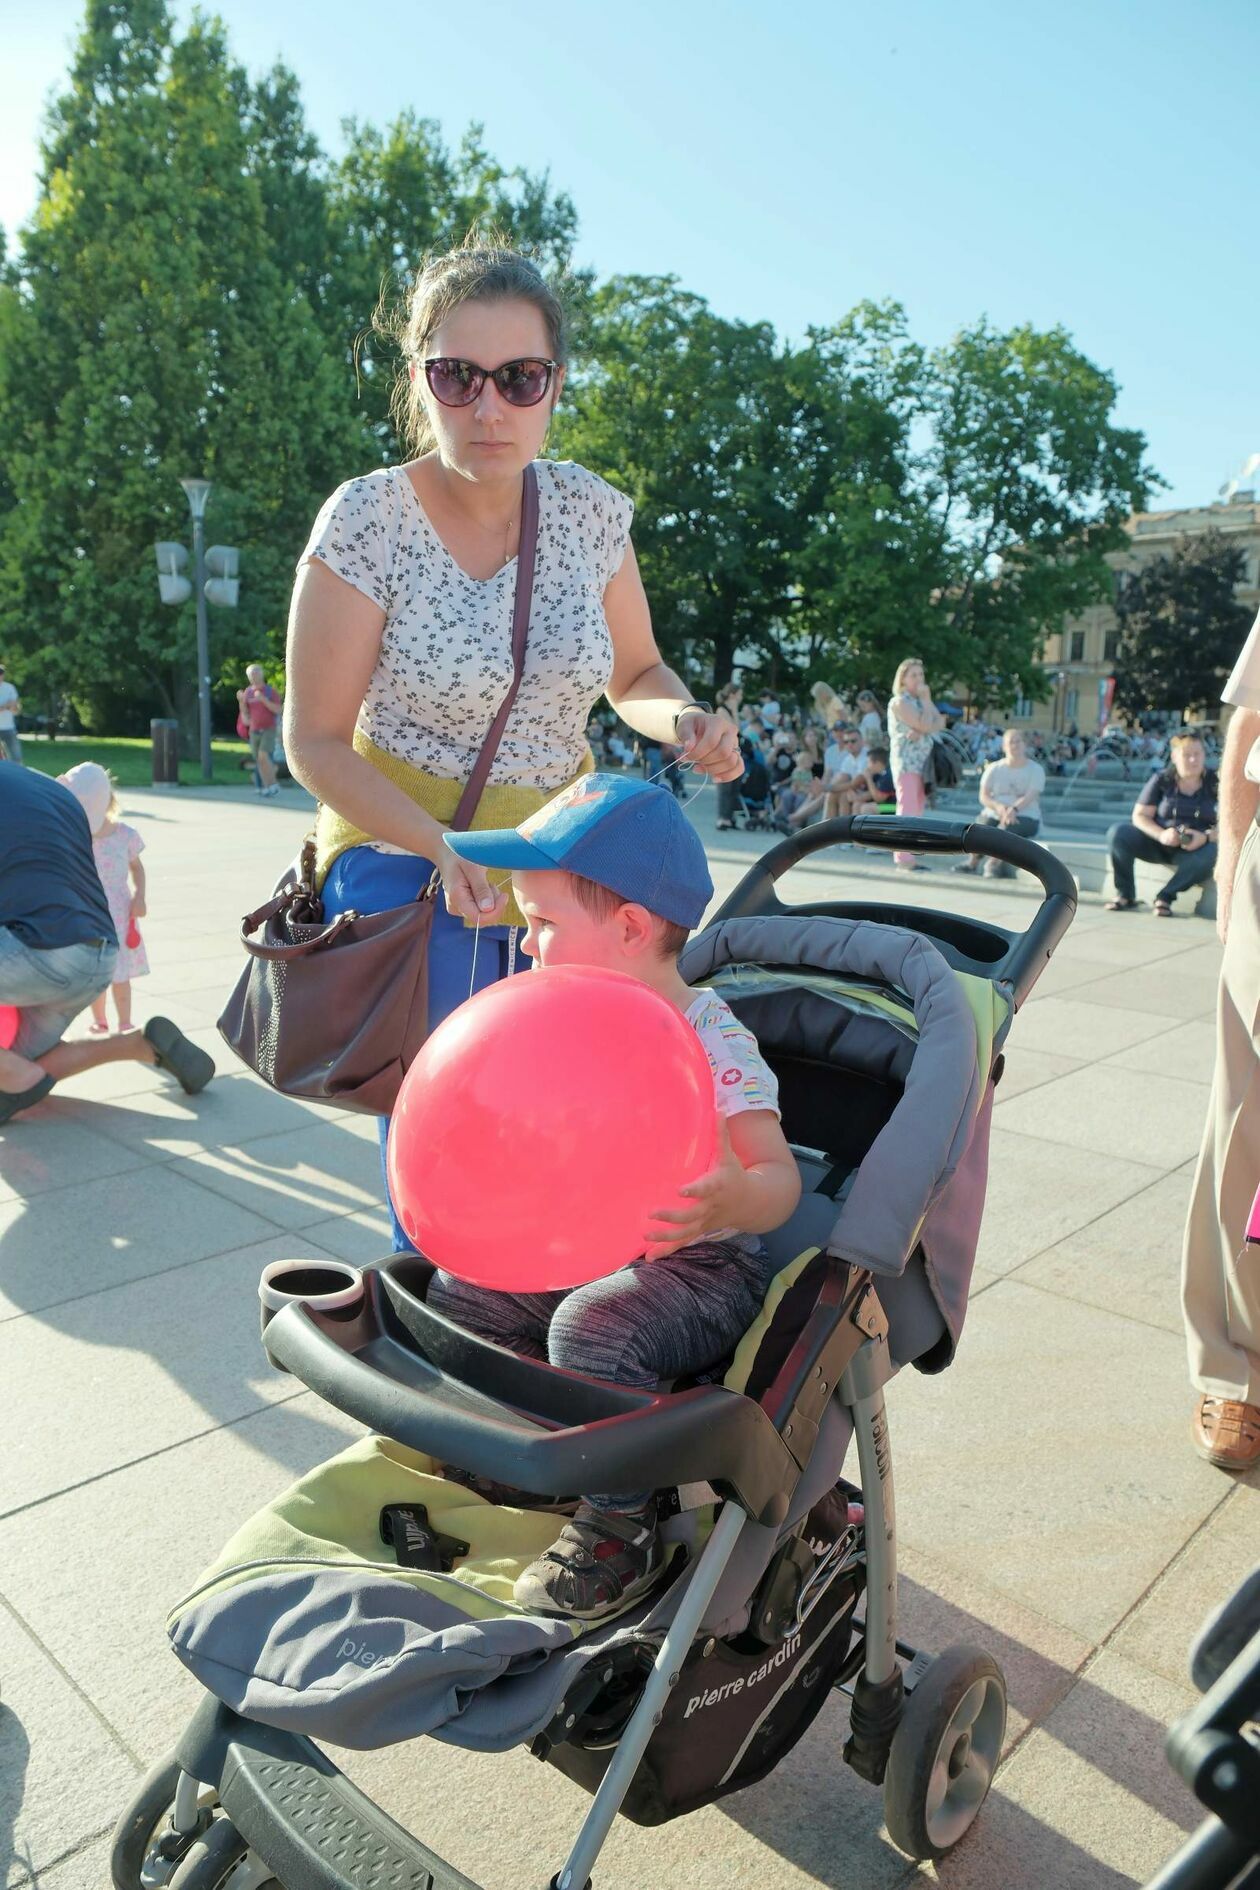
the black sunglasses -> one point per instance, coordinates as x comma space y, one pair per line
458, 383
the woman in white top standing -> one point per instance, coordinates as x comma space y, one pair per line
399, 648
913, 719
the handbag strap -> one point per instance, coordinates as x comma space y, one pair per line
470, 799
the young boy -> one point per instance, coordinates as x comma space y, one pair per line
873, 791
611, 873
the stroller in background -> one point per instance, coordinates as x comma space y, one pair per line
885, 1027
755, 812
1216, 1750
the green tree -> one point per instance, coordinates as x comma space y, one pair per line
396, 194
760, 475
1181, 628
868, 566
1029, 481
150, 333
836, 507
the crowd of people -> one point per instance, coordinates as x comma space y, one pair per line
800, 765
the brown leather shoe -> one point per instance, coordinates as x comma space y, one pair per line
1227, 1432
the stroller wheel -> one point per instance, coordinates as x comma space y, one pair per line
944, 1752
211, 1859
146, 1847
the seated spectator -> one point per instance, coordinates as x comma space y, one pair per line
873, 790
843, 762
799, 802
783, 761
58, 948
1173, 824
596, 738
1010, 797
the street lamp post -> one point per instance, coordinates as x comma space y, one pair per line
198, 491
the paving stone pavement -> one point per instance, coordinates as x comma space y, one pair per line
1050, 1506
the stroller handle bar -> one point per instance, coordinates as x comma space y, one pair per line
1016, 959
409, 1374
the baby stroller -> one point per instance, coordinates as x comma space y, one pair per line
756, 802
1216, 1750
372, 1601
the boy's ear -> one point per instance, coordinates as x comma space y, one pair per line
638, 929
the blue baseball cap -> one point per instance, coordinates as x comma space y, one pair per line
627, 835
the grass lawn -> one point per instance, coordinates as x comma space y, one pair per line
129, 759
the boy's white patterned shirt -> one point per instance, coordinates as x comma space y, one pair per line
742, 1079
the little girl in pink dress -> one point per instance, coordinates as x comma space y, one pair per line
117, 849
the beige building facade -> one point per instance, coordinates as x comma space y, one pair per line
1081, 658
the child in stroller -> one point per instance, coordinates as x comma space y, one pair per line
373, 1601
612, 873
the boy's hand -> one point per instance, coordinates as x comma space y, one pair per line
704, 1205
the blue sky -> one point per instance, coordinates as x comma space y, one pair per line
1081, 164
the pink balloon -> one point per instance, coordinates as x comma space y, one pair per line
543, 1122
8, 1025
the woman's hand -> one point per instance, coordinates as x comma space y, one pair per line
1192, 840
1169, 837
712, 1202
468, 892
138, 908
710, 745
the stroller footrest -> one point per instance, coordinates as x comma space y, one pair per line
311, 1826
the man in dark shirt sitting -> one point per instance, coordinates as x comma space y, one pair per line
1173, 824
58, 946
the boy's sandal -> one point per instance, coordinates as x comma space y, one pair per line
1162, 909
1122, 905
11, 1105
599, 1563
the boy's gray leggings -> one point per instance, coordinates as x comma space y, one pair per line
650, 1320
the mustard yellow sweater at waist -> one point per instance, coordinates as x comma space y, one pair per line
504, 805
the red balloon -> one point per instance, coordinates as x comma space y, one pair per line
8, 1025
543, 1122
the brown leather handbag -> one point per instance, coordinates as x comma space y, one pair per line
335, 1011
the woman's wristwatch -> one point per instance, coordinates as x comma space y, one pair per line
705, 708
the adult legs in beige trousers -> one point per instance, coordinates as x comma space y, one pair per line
1220, 1273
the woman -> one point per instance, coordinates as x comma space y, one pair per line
400, 630
729, 701
1173, 824
828, 707
870, 720
913, 719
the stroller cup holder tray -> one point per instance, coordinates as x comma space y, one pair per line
417, 1378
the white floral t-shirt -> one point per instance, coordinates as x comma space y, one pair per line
446, 649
